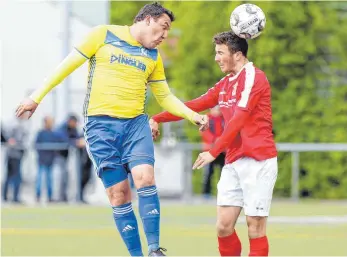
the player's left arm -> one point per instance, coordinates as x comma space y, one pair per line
249, 100
170, 102
163, 95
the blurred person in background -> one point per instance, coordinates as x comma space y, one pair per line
16, 146
123, 61
250, 172
45, 157
67, 133
85, 166
3, 138
209, 137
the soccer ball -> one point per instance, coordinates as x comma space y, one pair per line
247, 21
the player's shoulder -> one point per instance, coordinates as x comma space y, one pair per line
116, 29
223, 80
260, 75
101, 27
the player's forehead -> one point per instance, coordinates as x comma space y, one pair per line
164, 19
221, 48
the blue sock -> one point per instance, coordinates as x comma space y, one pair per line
149, 208
127, 226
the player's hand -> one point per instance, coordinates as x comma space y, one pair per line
201, 121
27, 106
203, 159
154, 128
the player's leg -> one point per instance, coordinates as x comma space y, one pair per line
257, 181
149, 205
230, 202
120, 198
139, 157
104, 138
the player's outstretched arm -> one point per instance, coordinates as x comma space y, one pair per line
87, 48
173, 105
67, 66
202, 103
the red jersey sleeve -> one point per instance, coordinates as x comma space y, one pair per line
253, 90
204, 102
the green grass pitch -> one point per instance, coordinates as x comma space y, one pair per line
186, 231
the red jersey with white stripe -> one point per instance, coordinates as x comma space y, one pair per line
245, 102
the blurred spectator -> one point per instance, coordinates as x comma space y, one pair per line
67, 133
3, 138
16, 140
209, 137
45, 157
85, 167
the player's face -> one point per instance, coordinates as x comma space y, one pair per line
225, 59
156, 30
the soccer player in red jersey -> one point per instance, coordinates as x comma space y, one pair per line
250, 171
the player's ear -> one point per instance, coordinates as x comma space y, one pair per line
238, 56
148, 19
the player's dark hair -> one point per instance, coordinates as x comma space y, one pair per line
155, 10
234, 43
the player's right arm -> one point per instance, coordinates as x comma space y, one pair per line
86, 49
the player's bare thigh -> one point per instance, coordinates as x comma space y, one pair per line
143, 175
119, 193
226, 219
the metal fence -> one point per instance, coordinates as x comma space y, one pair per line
29, 164
294, 148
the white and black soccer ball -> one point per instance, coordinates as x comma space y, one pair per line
247, 21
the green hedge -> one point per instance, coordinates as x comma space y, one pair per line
303, 52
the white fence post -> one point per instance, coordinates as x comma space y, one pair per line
295, 176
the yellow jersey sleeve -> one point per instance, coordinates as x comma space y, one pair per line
93, 41
66, 67
158, 73
170, 102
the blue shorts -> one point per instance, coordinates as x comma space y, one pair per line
115, 146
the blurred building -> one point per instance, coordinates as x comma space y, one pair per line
35, 36
34, 39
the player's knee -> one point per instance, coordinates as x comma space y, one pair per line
143, 176
118, 196
224, 227
256, 226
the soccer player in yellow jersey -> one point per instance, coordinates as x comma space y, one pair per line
123, 61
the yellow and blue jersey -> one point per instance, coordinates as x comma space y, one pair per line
119, 70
